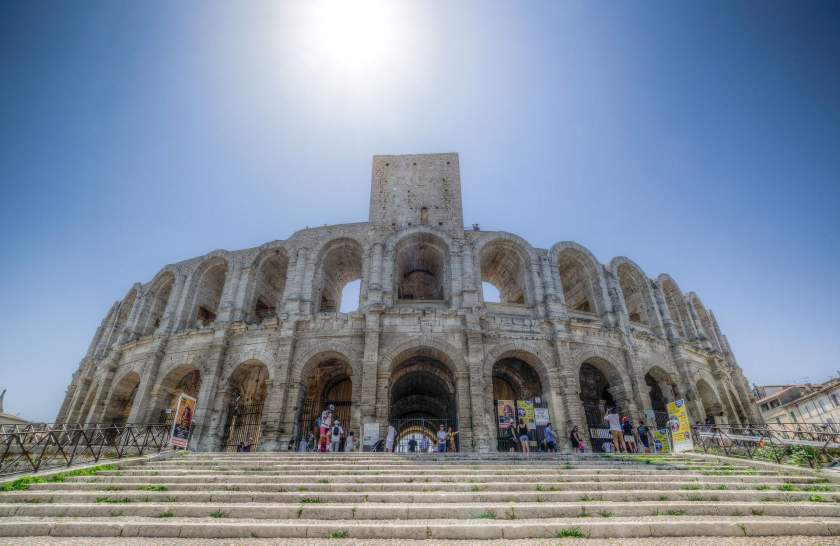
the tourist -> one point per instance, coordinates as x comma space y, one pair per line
522, 434
450, 441
608, 447
550, 439
337, 431
349, 445
303, 445
324, 423
629, 438
576, 440
511, 437
389, 438
424, 444
441, 440
615, 429
412, 445
644, 435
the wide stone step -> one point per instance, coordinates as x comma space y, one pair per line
390, 511
504, 495
437, 529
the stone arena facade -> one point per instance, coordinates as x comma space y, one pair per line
257, 335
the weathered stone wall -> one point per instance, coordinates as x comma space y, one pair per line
631, 326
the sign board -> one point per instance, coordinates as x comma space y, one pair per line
179, 436
541, 416
661, 442
679, 426
370, 436
506, 411
525, 411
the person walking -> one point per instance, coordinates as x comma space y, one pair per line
644, 435
450, 441
335, 439
522, 434
441, 440
576, 440
615, 429
349, 445
550, 439
424, 444
629, 437
389, 438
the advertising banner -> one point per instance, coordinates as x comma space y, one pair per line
661, 442
541, 416
525, 411
506, 411
184, 411
679, 426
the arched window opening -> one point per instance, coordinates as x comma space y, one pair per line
269, 286
182, 380
209, 293
503, 267
676, 306
711, 403
160, 299
635, 294
341, 264
577, 284
421, 268
122, 398
596, 395
490, 293
350, 295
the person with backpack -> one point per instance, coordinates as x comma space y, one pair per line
644, 435
336, 433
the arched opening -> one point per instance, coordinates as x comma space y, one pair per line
657, 382
329, 383
208, 292
503, 267
350, 296
269, 286
711, 403
340, 264
577, 282
597, 383
421, 268
184, 379
160, 293
122, 398
636, 294
124, 312
246, 393
517, 394
422, 397
676, 306
705, 322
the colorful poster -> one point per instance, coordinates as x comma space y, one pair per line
679, 426
184, 412
661, 443
507, 413
541, 416
525, 411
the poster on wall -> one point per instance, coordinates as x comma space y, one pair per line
525, 411
679, 426
541, 416
661, 442
184, 411
370, 436
506, 411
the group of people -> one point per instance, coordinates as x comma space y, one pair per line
331, 435
446, 441
623, 435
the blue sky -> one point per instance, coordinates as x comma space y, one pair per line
701, 139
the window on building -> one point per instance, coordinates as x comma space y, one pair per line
835, 401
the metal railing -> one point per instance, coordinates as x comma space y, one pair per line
804, 444
36, 447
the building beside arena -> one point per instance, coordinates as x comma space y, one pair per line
258, 338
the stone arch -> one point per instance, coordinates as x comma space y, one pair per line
504, 260
121, 399
675, 303
706, 325
339, 262
324, 378
421, 267
206, 289
660, 388
636, 293
243, 397
712, 404
602, 385
423, 346
124, 309
580, 277
268, 284
157, 297
305, 362
183, 378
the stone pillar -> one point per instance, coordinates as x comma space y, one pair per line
208, 418
480, 417
279, 415
244, 287
569, 379
294, 303
370, 366
469, 286
144, 402
465, 418
109, 367
374, 288
169, 320
227, 309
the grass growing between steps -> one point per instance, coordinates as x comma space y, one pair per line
108, 500
340, 534
487, 514
22, 484
153, 488
574, 532
218, 514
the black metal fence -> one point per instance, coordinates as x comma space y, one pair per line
803, 444
35, 447
416, 435
243, 429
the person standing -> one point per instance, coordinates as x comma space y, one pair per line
550, 439
324, 428
616, 432
441, 440
335, 440
629, 437
412, 445
522, 434
389, 438
576, 440
450, 441
644, 435
349, 445
424, 444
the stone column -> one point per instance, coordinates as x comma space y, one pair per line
469, 286
144, 402
480, 417
294, 303
370, 366
465, 420
169, 320
279, 415
207, 420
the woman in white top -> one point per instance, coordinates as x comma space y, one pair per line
389, 439
348, 444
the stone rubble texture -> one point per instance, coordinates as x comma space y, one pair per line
272, 313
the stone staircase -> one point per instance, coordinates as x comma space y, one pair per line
454, 496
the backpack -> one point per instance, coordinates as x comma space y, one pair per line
336, 432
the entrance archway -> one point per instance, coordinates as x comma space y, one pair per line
422, 397
122, 398
711, 403
517, 391
597, 384
181, 380
329, 383
246, 393
660, 390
